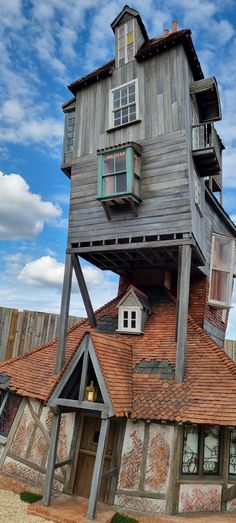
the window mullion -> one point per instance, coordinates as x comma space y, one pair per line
201, 450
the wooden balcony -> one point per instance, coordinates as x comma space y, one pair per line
207, 152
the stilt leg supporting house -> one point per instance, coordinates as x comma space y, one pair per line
182, 309
72, 262
83, 290
51, 459
63, 324
97, 472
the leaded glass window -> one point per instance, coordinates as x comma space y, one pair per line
201, 450
211, 450
232, 453
9, 404
190, 450
125, 43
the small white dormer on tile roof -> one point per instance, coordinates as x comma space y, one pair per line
133, 310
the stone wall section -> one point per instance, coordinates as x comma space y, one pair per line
26, 455
145, 467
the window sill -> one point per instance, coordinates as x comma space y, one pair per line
111, 129
201, 479
218, 305
129, 332
3, 440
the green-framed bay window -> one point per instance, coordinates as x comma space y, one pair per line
119, 175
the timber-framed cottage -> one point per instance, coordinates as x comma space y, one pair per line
136, 405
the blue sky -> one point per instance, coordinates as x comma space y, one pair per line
44, 46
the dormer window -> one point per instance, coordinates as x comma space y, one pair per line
125, 34
133, 310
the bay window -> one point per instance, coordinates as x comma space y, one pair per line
119, 174
201, 450
222, 268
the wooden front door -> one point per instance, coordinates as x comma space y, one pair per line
86, 458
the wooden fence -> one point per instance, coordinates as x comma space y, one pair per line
230, 348
21, 331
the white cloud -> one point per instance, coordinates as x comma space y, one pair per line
49, 272
22, 213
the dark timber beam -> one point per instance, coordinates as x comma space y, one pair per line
52, 452
84, 291
182, 309
97, 471
64, 314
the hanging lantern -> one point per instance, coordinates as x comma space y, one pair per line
90, 392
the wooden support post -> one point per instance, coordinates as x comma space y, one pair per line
64, 313
97, 471
182, 313
84, 291
52, 452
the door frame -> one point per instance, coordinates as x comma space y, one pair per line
115, 458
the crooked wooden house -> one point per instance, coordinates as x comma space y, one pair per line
136, 405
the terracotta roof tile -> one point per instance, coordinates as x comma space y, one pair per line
207, 395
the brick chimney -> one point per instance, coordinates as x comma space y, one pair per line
174, 26
166, 32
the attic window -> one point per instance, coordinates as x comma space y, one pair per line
130, 319
133, 310
125, 42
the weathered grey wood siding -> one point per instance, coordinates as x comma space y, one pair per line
198, 217
162, 103
165, 208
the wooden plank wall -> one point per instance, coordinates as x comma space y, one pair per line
21, 331
230, 348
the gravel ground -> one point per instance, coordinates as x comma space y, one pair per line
13, 510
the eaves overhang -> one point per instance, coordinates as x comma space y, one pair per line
208, 100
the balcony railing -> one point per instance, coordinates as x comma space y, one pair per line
207, 148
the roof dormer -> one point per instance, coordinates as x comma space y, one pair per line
130, 34
133, 310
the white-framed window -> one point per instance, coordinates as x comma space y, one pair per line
124, 104
125, 43
222, 269
130, 319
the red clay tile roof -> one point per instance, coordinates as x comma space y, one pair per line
148, 49
207, 395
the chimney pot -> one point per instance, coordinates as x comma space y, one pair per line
174, 26
166, 32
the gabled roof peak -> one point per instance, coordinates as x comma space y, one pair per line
128, 10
